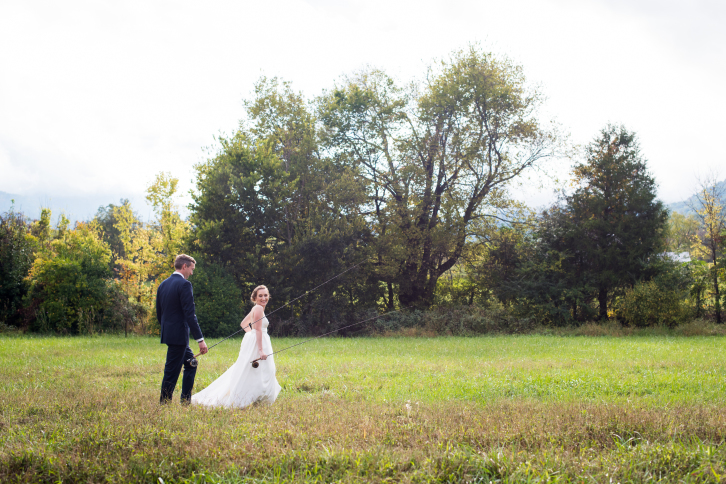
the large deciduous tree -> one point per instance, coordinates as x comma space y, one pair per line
237, 207
269, 209
434, 158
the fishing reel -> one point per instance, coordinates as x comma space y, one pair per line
256, 363
193, 362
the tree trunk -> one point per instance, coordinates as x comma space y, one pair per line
717, 294
698, 303
602, 298
414, 290
411, 294
390, 297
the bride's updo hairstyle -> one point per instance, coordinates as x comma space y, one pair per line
253, 297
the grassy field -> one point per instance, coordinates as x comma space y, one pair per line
486, 409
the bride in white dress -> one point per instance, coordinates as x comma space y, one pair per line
242, 384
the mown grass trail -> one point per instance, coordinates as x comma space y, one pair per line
500, 408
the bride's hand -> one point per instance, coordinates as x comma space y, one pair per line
262, 355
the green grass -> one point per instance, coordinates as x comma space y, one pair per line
496, 408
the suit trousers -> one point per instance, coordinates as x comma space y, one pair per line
176, 358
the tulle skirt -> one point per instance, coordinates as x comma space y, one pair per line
242, 385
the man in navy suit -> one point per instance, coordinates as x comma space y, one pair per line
176, 314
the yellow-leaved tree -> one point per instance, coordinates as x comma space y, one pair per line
173, 230
150, 248
137, 273
710, 246
68, 279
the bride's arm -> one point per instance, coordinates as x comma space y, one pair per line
245, 324
257, 315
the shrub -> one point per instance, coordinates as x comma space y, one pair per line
651, 303
454, 320
69, 290
121, 313
458, 320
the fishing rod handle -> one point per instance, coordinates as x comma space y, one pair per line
255, 363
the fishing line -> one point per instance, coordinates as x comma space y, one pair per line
193, 360
255, 363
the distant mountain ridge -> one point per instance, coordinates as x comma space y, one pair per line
75, 208
684, 207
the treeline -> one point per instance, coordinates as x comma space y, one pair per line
415, 186
98, 276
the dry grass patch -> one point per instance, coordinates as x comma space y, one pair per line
700, 327
74, 436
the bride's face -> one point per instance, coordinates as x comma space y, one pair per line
262, 297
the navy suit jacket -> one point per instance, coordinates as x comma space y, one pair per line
175, 311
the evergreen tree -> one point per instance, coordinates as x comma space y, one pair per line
616, 224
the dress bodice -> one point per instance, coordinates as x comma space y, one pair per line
265, 322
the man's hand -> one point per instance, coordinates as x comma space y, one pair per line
203, 347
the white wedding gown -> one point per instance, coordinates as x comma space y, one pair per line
243, 385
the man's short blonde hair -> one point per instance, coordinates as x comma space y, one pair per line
182, 260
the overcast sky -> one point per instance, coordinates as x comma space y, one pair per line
96, 97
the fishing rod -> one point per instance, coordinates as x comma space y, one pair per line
255, 363
193, 360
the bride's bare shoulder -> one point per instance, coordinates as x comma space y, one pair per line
257, 313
